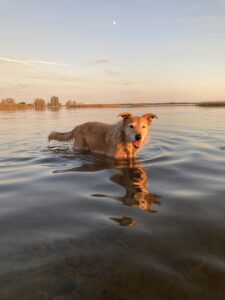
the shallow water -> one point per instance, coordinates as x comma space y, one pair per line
76, 226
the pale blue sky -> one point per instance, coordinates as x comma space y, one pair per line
161, 50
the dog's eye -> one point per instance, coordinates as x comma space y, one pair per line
143, 126
131, 126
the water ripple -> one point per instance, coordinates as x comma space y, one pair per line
151, 226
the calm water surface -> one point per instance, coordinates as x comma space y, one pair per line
75, 226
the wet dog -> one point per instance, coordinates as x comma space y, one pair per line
121, 140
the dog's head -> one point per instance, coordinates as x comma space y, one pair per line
136, 129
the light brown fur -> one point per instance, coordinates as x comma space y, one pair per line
116, 140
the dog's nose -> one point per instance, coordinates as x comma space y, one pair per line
138, 137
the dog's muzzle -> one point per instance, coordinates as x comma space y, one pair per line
137, 142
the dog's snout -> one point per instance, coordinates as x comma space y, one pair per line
138, 136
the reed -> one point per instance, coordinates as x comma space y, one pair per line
15, 106
211, 104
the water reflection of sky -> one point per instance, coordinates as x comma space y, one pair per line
67, 217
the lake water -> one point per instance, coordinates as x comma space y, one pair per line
75, 226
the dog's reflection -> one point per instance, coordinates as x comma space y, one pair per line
135, 181
133, 178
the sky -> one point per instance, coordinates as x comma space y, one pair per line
104, 51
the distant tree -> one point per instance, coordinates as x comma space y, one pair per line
39, 103
54, 101
8, 101
71, 103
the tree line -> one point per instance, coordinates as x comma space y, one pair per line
40, 103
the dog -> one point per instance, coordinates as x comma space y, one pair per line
121, 140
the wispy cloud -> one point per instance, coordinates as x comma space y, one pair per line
31, 62
98, 61
55, 77
113, 73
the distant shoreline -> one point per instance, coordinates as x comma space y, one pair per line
22, 106
115, 105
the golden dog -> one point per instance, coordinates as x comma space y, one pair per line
121, 140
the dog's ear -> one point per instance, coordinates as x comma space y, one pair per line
125, 115
149, 117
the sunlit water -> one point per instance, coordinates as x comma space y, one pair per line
76, 226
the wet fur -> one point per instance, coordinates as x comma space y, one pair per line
113, 140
